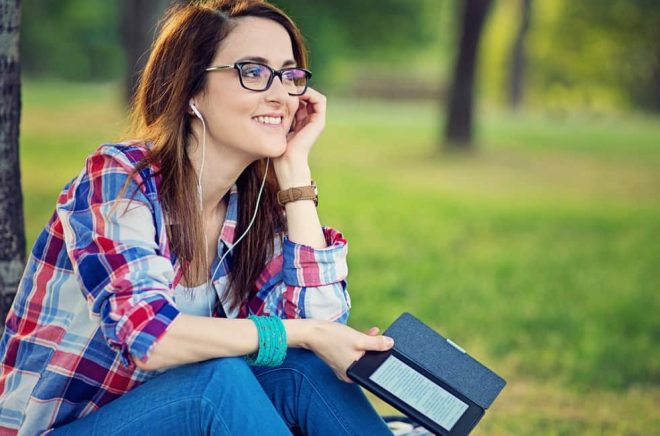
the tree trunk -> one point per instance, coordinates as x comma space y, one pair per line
138, 27
458, 133
137, 34
518, 54
12, 233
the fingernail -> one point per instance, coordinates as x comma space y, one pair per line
389, 341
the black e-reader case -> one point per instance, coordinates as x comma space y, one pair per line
441, 361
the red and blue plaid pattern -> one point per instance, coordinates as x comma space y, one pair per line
97, 293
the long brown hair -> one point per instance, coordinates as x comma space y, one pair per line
186, 45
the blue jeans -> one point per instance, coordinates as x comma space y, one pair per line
225, 396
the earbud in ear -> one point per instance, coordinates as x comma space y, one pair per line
191, 103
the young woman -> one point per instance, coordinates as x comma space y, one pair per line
184, 284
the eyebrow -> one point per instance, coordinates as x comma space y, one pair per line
259, 59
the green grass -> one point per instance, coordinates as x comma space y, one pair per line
538, 253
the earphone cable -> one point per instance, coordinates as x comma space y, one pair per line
201, 205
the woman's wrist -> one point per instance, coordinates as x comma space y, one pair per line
291, 175
301, 333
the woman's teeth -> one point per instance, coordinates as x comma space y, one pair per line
269, 120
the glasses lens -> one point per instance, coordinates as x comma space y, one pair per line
255, 76
295, 79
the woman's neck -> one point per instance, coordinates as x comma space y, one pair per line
222, 167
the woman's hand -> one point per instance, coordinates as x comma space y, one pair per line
339, 345
292, 168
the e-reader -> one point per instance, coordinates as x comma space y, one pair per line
429, 378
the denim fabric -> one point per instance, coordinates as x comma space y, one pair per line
225, 396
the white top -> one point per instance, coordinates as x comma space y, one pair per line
198, 300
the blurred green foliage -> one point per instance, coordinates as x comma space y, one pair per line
76, 40
596, 55
361, 30
590, 55
614, 43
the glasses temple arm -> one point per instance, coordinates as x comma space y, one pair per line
219, 67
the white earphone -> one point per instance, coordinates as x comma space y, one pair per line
198, 114
191, 103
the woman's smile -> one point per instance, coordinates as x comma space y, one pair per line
270, 121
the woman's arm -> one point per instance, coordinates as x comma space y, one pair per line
292, 169
112, 242
303, 224
195, 338
191, 339
300, 281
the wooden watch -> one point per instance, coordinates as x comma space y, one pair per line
309, 192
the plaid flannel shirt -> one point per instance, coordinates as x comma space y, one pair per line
97, 292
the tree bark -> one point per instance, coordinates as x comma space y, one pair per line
518, 58
458, 133
12, 232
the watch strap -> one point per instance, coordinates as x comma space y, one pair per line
296, 193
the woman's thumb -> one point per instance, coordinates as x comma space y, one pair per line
380, 343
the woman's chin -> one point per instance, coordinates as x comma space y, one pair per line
266, 147
274, 151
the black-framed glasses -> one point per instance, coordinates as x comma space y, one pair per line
258, 77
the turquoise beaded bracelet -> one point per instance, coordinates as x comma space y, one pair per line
272, 341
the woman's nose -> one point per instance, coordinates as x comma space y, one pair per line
277, 90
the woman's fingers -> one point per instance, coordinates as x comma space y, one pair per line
315, 104
339, 345
309, 122
313, 97
302, 113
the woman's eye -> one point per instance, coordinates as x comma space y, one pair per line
253, 71
294, 75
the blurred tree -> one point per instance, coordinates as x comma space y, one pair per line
138, 28
12, 233
458, 133
518, 57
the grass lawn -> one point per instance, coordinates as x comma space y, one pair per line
539, 253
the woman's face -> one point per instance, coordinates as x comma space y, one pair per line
232, 112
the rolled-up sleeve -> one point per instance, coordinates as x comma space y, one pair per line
111, 242
304, 282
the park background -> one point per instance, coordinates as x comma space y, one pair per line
534, 243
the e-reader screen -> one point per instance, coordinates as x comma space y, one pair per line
418, 391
